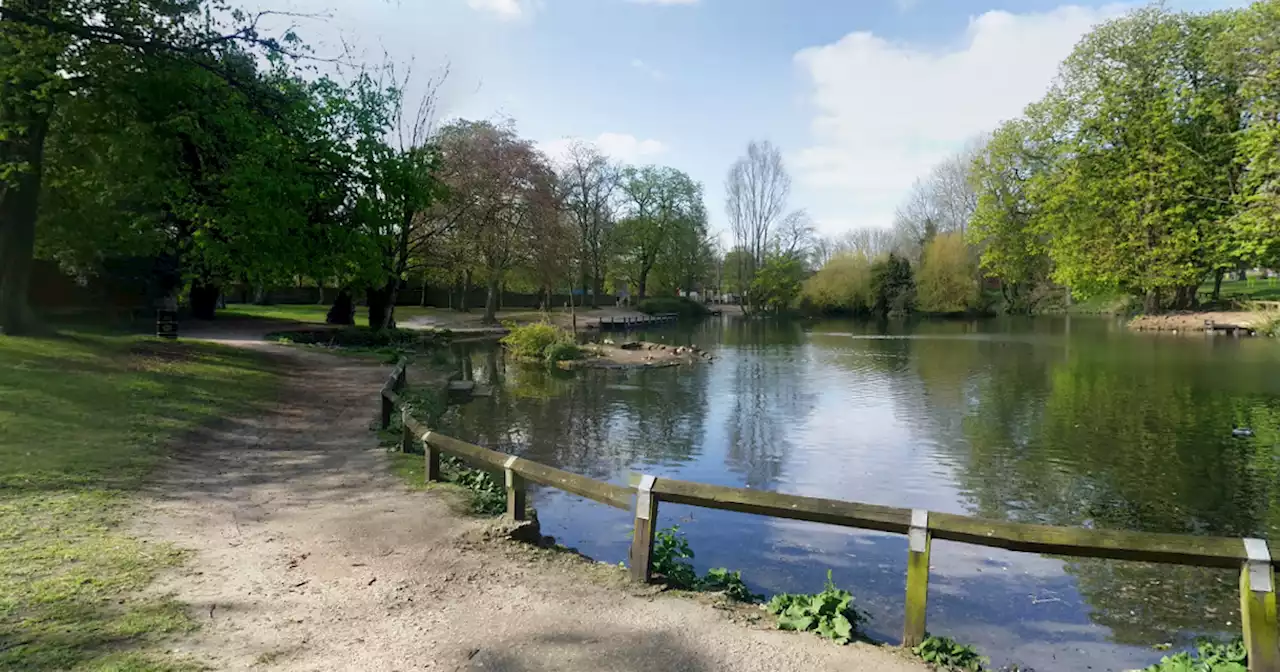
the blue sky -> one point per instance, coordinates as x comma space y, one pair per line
862, 96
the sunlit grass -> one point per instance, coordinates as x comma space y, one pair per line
312, 313
84, 419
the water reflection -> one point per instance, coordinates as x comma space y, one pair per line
1065, 422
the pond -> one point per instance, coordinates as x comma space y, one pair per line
1063, 421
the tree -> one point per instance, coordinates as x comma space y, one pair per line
946, 281
505, 192
893, 290
795, 236
841, 286
756, 193
50, 50
589, 182
778, 283
661, 202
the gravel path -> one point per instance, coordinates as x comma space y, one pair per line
308, 555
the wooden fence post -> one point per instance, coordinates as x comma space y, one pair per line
406, 434
919, 539
1258, 608
402, 377
642, 537
431, 468
515, 491
386, 409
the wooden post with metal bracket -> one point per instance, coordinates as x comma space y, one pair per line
1258, 608
919, 539
642, 537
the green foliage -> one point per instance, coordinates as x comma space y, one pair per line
842, 286
684, 306
670, 551
947, 280
563, 351
777, 284
530, 341
719, 579
830, 613
893, 290
664, 230
1209, 657
488, 495
948, 654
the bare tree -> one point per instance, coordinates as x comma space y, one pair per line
869, 241
757, 189
589, 184
795, 235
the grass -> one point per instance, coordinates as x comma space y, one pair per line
310, 312
1253, 289
84, 419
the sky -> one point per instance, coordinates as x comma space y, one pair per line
862, 97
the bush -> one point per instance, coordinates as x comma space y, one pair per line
831, 613
947, 280
670, 550
531, 341
562, 352
684, 306
893, 289
843, 286
730, 583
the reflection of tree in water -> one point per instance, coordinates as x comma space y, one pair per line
1137, 443
596, 423
770, 395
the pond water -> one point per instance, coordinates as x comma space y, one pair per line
1064, 421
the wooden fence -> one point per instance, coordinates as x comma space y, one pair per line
1251, 556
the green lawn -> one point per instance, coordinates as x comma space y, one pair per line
314, 313
1256, 289
84, 418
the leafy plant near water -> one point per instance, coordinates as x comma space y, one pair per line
488, 496
1209, 657
830, 613
671, 551
948, 654
719, 579
541, 342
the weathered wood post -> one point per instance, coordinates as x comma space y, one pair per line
402, 377
1258, 608
386, 408
406, 434
642, 537
919, 539
515, 491
431, 455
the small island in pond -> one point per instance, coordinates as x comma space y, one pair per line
635, 355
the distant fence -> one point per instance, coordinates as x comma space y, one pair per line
1251, 556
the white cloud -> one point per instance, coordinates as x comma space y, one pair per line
652, 72
619, 146
905, 5
503, 9
886, 112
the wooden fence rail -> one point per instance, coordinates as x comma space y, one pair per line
1251, 556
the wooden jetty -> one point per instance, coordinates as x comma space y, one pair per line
1212, 327
627, 323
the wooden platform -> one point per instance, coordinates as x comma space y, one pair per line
1212, 327
636, 322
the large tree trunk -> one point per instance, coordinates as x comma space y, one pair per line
343, 310
1151, 304
382, 306
641, 285
204, 299
1217, 282
466, 289
1242, 274
25, 107
491, 301
260, 294
422, 298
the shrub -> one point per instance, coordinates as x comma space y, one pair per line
893, 289
531, 341
562, 352
948, 654
488, 497
843, 286
831, 613
684, 306
947, 280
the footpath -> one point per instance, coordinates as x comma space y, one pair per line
308, 554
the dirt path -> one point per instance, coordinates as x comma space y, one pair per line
309, 555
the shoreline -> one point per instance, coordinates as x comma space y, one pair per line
1250, 322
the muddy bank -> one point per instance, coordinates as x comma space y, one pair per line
1197, 322
636, 355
